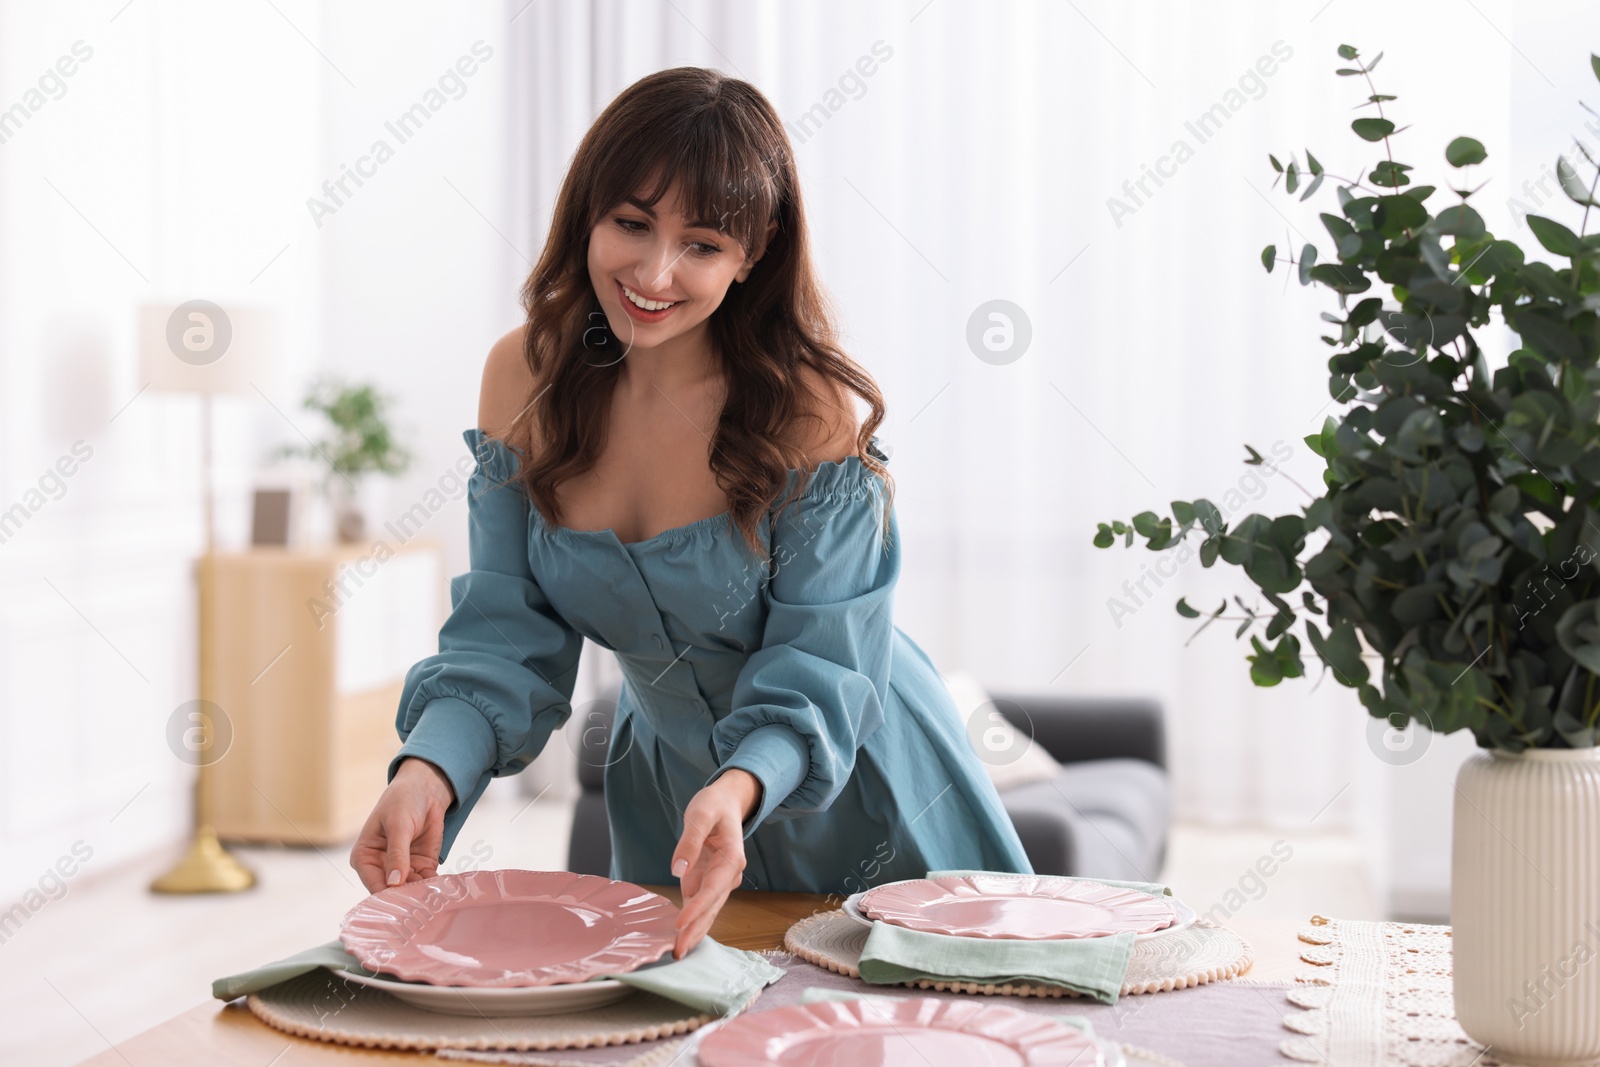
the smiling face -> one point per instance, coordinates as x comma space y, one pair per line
658, 275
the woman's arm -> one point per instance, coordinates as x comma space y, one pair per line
486, 703
811, 694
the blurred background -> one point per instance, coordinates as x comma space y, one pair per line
353, 193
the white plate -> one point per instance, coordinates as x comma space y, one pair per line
498, 1003
1186, 915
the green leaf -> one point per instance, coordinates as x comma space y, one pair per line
1185, 610
1280, 623
1340, 651
1390, 175
1372, 129
1572, 185
1316, 183
1147, 523
1340, 278
1291, 177
1464, 151
1460, 221
1255, 459
1269, 256
1308, 259
1400, 213
1579, 635
1258, 546
1103, 537
1275, 164
1555, 237
1348, 51
1264, 667
1311, 161
1184, 512
1419, 603
1594, 61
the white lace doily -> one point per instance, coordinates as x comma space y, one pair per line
1376, 994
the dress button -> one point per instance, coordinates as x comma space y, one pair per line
657, 639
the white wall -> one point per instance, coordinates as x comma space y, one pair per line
976, 164
187, 146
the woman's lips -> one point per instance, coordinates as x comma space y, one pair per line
639, 314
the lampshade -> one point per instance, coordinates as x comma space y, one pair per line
201, 347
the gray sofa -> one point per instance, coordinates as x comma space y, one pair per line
1105, 815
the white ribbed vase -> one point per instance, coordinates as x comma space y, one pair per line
1525, 904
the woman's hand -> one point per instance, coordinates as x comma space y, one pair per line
402, 837
709, 859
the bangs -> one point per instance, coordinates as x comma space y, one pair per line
724, 180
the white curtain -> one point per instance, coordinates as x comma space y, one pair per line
979, 162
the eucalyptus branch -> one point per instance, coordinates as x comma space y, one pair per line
1448, 492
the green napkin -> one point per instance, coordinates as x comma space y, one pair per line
813, 994
712, 977
1093, 966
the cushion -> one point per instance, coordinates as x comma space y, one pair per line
1118, 808
1010, 758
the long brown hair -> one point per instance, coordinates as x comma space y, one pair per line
723, 141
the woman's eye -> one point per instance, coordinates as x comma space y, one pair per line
701, 248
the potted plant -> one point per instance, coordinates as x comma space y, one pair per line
358, 443
1448, 570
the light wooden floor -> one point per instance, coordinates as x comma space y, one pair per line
111, 959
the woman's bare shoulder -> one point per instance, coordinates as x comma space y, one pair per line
827, 430
507, 383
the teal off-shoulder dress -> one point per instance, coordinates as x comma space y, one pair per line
793, 671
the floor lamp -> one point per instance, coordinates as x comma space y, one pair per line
198, 347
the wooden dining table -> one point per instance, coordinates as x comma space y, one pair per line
214, 1034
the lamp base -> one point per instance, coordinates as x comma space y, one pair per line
206, 868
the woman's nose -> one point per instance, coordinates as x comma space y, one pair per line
655, 273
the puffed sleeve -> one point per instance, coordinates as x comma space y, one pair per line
815, 690
502, 681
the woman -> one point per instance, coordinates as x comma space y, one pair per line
700, 500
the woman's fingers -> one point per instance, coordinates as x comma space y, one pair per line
397, 858
718, 876
368, 863
695, 921
686, 857
367, 856
398, 843
708, 862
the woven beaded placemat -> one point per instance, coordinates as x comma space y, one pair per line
1200, 953
320, 1006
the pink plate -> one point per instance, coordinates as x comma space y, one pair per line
509, 928
1026, 907
892, 1033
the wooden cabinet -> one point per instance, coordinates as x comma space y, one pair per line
305, 661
